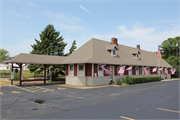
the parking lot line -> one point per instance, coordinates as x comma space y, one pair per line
126, 118
34, 89
168, 110
1, 93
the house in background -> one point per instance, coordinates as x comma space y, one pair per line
8, 66
83, 67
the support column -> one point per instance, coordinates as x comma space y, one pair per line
20, 74
44, 74
12, 71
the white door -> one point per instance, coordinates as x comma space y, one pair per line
111, 69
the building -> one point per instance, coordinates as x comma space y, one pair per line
8, 66
83, 67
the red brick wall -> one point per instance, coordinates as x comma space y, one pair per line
88, 69
66, 67
75, 69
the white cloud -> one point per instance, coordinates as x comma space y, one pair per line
148, 38
84, 8
64, 21
18, 14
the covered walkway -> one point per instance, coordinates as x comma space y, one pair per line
33, 59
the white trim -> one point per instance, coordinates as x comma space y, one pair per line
112, 52
137, 67
99, 65
69, 70
78, 70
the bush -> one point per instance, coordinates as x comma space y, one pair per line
16, 76
128, 80
137, 80
119, 82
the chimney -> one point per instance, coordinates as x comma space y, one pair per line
114, 41
138, 47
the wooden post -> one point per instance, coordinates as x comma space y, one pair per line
12, 71
20, 74
44, 74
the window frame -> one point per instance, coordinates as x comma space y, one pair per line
130, 72
81, 71
72, 71
112, 52
137, 68
100, 71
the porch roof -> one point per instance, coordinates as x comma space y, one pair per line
36, 59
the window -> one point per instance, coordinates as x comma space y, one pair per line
71, 70
81, 70
137, 70
130, 72
137, 56
142, 70
114, 52
100, 70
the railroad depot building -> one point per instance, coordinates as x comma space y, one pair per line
83, 67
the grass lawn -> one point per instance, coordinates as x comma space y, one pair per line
26, 73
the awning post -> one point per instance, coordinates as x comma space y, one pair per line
11, 77
44, 74
20, 74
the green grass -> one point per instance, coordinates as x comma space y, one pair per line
26, 73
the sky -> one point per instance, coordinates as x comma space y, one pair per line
132, 22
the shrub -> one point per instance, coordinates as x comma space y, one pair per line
119, 82
16, 76
128, 80
144, 79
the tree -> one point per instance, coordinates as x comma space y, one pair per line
50, 43
73, 47
4, 54
170, 52
170, 47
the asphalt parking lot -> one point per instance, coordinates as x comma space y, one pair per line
157, 100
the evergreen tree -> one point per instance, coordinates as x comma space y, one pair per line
50, 43
73, 47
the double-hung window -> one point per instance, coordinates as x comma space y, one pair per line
142, 70
137, 70
130, 72
81, 70
71, 70
100, 70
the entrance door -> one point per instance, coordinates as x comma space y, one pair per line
111, 69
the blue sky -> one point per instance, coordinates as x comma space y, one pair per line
144, 22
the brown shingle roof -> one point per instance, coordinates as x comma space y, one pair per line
36, 59
95, 51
